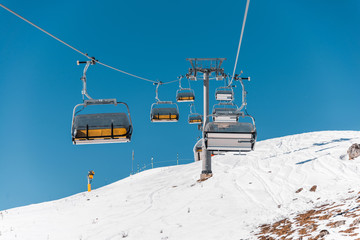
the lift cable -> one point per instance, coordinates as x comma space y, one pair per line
73, 48
241, 36
9, 10
164, 83
145, 79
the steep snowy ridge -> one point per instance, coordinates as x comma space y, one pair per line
246, 192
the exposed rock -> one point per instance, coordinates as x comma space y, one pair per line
299, 190
355, 222
354, 151
337, 224
307, 224
313, 188
323, 233
349, 230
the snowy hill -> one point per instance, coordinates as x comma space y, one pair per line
262, 195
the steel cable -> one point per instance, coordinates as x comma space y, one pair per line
77, 50
34, 25
241, 36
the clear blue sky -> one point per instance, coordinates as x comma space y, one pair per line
303, 58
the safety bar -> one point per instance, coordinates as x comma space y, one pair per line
240, 113
100, 101
253, 120
206, 120
237, 77
226, 104
165, 102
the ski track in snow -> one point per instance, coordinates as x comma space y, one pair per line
167, 203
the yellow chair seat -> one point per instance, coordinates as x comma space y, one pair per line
101, 133
167, 116
195, 120
186, 98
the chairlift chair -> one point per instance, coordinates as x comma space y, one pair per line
225, 112
230, 136
194, 118
164, 111
224, 94
185, 95
101, 127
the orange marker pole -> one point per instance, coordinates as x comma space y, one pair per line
89, 185
90, 176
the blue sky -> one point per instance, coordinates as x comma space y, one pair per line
303, 58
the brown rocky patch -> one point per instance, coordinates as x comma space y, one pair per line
336, 224
355, 222
349, 230
306, 225
313, 188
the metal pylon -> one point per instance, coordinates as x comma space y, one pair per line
205, 66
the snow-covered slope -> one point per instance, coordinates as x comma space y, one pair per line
246, 191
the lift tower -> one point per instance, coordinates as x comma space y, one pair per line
205, 66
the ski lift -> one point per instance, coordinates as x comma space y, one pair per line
99, 127
194, 118
163, 111
185, 94
225, 112
224, 94
230, 136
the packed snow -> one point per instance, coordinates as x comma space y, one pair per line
245, 192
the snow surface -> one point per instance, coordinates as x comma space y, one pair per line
168, 203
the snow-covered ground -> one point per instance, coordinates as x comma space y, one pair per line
246, 191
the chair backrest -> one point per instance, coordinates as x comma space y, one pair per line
225, 109
224, 94
101, 120
164, 112
185, 95
230, 127
195, 118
